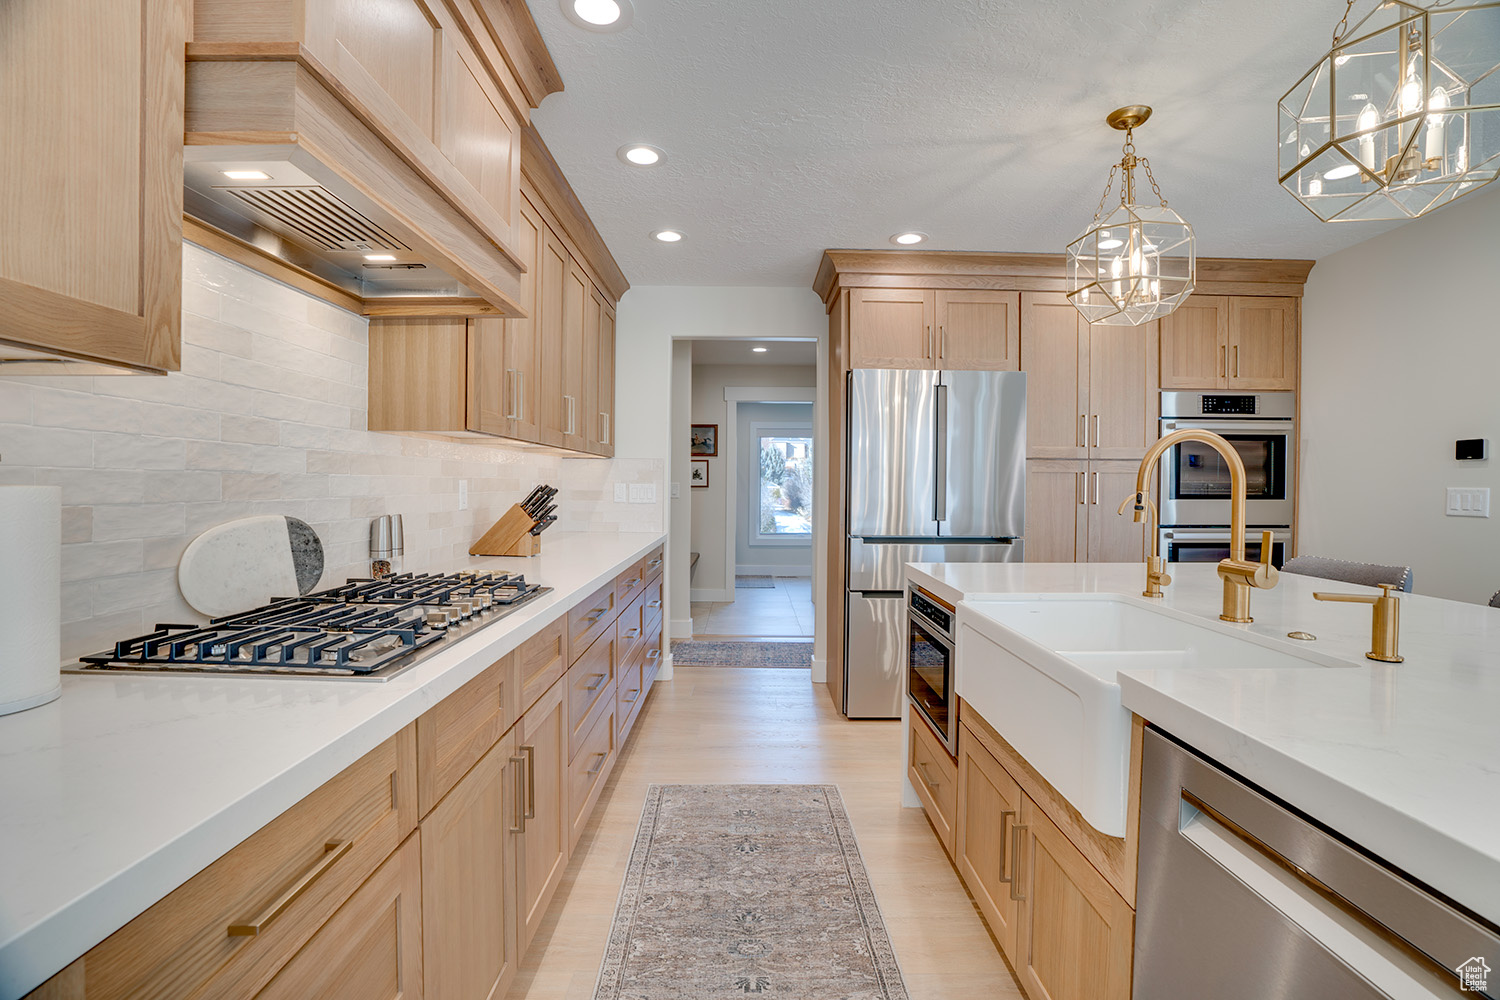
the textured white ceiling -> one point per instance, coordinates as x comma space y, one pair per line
720, 351
795, 125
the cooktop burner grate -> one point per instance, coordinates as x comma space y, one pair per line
365, 629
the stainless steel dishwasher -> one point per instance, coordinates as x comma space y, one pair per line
1241, 898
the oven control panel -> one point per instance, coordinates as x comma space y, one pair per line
932, 611
1239, 405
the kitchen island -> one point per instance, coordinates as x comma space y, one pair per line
129, 785
1399, 758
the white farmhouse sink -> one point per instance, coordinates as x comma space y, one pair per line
1042, 670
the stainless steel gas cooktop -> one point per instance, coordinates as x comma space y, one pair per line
364, 630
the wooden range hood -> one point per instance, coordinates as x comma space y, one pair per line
376, 165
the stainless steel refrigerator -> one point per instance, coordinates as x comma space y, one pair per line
936, 473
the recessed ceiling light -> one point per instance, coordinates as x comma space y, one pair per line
598, 15
247, 175
640, 154
759, 350
667, 236
380, 256
1340, 172
908, 239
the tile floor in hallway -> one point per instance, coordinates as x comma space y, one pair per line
722, 724
784, 610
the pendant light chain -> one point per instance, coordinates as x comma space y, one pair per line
1146, 166
1342, 28
1103, 197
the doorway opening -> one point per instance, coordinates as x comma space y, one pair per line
752, 459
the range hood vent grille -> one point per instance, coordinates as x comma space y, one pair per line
317, 217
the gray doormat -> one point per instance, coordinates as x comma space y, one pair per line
747, 889
754, 583
708, 653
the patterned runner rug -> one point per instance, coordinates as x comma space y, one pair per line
707, 653
747, 889
754, 583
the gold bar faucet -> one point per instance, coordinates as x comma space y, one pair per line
1385, 626
1156, 566
1238, 573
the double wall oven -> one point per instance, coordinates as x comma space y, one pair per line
929, 665
1195, 486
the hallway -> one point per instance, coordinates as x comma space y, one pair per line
720, 724
783, 610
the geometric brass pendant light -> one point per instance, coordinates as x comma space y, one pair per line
1400, 116
1139, 262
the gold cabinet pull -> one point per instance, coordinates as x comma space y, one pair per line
1223, 372
940, 340
598, 682
1078, 490
1096, 430
530, 753
1004, 878
1083, 430
1096, 486
332, 851
1236, 360
1015, 862
520, 803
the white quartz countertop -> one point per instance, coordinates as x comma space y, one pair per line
127, 786
1403, 759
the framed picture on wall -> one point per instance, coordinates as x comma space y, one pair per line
705, 442
698, 477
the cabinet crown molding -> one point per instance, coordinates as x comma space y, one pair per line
840, 269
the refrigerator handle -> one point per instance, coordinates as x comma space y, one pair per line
940, 508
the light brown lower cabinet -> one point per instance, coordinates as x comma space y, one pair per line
470, 942
371, 949
934, 775
588, 771
544, 836
1067, 932
989, 810
1076, 934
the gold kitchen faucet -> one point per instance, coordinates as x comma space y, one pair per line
1238, 573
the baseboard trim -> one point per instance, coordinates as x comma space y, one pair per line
680, 628
819, 670
664, 673
711, 596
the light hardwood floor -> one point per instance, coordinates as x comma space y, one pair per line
722, 724
782, 611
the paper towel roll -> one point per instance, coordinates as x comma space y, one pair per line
30, 596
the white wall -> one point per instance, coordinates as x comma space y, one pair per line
267, 416
1400, 357
710, 523
648, 320
680, 520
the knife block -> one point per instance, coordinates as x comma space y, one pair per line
509, 536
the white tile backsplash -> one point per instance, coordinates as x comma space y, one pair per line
267, 416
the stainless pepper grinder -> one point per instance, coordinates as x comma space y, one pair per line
387, 545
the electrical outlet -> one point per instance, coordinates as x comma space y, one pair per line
622, 494
1471, 501
676, 491
463, 494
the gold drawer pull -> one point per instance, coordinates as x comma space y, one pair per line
598, 682
334, 850
599, 766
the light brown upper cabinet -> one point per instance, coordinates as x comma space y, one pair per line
1071, 512
1230, 342
926, 328
1090, 390
547, 378
978, 329
91, 151
891, 328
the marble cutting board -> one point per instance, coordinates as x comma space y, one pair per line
242, 564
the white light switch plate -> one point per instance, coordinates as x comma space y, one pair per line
642, 492
463, 494
1468, 501
676, 491
621, 493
